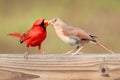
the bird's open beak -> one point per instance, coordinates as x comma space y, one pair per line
46, 23
50, 21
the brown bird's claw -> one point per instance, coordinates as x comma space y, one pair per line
69, 52
79, 53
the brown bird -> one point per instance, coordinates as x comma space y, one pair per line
74, 36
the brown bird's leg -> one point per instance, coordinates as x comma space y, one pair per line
69, 52
78, 50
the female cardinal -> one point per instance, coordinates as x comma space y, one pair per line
74, 36
33, 37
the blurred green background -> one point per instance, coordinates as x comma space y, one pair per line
99, 17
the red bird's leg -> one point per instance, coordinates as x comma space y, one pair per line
43, 52
78, 50
26, 53
39, 47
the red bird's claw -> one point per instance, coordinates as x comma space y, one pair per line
25, 57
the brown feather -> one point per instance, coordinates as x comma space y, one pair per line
104, 47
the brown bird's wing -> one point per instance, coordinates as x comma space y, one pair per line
73, 31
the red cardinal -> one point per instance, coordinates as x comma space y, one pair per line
33, 37
74, 36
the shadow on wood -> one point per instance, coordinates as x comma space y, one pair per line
11, 75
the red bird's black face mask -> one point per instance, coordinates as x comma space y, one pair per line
41, 23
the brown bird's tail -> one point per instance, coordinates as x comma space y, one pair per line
104, 47
18, 35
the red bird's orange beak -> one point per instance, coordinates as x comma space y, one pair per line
46, 23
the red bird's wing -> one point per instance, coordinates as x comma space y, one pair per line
37, 35
25, 36
34, 36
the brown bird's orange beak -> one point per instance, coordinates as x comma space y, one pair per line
52, 21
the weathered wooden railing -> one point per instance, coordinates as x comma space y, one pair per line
60, 67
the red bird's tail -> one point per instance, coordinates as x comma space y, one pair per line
18, 35
104, 47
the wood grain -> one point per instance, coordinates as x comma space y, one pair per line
59, 67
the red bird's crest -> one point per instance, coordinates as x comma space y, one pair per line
39, 21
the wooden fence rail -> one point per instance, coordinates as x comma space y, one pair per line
60, 67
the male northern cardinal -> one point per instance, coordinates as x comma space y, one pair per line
33, 37
74, 36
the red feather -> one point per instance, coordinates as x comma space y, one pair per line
35, 36
18, 35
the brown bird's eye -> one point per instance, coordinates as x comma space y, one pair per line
55, 20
